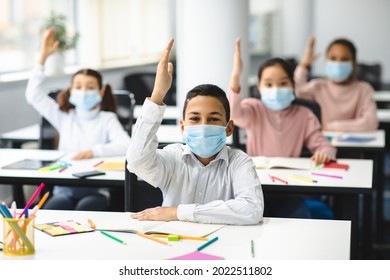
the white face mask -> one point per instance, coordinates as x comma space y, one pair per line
85, 100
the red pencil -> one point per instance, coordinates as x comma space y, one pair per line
281, 180
97, 164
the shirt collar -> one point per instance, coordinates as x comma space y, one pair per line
222, 155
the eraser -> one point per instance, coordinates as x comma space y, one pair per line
173, 237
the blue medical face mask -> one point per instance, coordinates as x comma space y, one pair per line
277, 98
85, 100
338, 71
205, 140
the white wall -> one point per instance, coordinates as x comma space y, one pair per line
366, 23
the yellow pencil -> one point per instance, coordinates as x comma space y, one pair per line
300, 178
43, 200
153, 238
182, 237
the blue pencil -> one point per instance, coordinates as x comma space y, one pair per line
207, 243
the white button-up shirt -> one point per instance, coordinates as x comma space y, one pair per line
227, 190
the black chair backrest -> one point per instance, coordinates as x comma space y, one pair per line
371, 73
48, 135
125, 104
141, 85
139, 195
312, 105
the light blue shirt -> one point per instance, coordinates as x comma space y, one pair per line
226, 191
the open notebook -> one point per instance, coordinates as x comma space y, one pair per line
172, 227
283, 162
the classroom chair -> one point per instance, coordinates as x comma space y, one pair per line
371, 73
140, 195
142, 83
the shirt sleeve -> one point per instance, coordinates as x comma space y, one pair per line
303, 88
143, 159
315, 139
366, 116
245, 208
37, 97
241, 113
118, 140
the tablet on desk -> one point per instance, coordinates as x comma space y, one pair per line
30, 164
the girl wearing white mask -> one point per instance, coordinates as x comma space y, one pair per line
346, 104
275, 126
84, 116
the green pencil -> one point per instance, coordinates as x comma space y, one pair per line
113, 237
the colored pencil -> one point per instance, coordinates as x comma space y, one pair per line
153, 238
327, 175
113, 237
33, 197
207, 243
181, 237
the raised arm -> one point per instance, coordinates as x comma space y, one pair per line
302, 87
237, 68
36, 91
163, 80
49, 45
240, 114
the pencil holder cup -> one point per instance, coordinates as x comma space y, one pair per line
18, 236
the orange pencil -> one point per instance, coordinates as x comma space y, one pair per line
182, 237
153, 238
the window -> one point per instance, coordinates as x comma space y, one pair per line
112, 33
20, 34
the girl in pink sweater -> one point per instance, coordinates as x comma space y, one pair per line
346, 104
277, 127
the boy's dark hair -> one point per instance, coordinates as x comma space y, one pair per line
208, 90
108, 100
282, 63
346, 43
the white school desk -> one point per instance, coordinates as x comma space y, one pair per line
19, 136
274, 239
382, 96
171, 112
378, 143
356, 181
18, 177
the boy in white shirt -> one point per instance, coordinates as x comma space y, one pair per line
204, 181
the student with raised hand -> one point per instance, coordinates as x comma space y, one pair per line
346, 103
203, 181
275, 126
87, 124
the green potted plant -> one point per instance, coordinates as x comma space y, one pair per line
56, 62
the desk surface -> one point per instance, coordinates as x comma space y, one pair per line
379, 142
358, 179
8, 156
274, 238
382, 96
171, 112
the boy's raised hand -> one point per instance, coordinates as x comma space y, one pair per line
49, 45
163, 80
308, 56
237, 67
